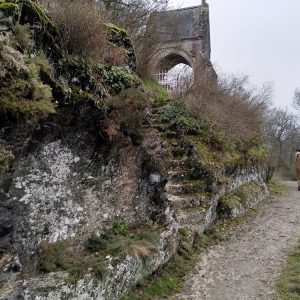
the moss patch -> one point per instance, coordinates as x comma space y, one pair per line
8, 9
237, 198
159, 93
29, 98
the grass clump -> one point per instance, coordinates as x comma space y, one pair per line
5, 158
288, 284
90, 257
276, 187
119, 241
31, 99
60, 256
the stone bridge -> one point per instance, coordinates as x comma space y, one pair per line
183, 37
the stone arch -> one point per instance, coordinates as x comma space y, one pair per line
167, 59
183, 36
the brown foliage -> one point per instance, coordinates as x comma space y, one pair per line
229, 105
136, 16
81, 25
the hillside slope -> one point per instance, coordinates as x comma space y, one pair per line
97, 172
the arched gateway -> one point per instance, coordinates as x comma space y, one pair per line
184, 37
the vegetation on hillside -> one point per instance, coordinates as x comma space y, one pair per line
80, 58
117, 242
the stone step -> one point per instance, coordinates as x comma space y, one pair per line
189, 202
178, 175
194, 219
186, 187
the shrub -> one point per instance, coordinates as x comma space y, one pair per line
228, 105
23, 38
129, 114
12, 63
81, 26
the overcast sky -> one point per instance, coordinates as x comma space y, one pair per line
260, 38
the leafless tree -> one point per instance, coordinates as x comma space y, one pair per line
283, 134
297, 98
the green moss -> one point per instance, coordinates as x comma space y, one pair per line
237, 198
115, 28
288, 284
8, 9
28, 97
184, 231
159, 93
228, 202
33, 100
5, 158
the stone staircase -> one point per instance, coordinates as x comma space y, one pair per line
186, 193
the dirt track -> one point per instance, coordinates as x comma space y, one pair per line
246, 266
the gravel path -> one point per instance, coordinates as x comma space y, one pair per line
246, 266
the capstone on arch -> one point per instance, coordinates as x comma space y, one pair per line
183, 37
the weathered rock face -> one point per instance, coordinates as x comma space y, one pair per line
72, 182
236, 203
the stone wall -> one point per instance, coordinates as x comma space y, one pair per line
185, 32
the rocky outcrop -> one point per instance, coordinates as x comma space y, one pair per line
237, 202
71, 183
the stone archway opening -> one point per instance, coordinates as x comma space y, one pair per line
175, 73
